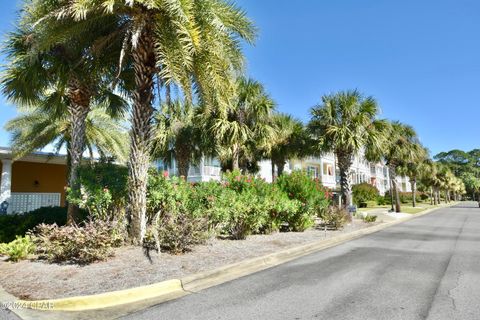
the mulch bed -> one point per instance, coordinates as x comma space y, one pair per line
129, 267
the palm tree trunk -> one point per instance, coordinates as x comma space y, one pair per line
344, 165
236, 158
183, 164
280, 168
139, 160
413, 183
393, 177
273, 170
79, 107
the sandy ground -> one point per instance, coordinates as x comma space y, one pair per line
130, 267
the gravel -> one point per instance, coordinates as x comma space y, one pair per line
130, 267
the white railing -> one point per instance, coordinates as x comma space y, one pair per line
326, 179
211, 171
28, 201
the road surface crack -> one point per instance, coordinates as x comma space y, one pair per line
449, 292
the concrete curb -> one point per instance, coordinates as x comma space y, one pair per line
175, 288
108, 299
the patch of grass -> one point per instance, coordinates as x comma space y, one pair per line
419, 208
413, 210
372, 208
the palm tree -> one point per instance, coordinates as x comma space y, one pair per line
345, 123
413, 170
290, 141
246, 129
428, 178
66, 73
193, 43
34, 129
402, 147
178, 135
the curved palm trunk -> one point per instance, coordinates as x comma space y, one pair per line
78, 108
142, 113
413, 184
393, 177
344, 164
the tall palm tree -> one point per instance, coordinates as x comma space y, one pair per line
178, 135
402, 147
246, 128
345, 123
428, 178
50, 70
290, 141
194, 43
413, 170
34, 129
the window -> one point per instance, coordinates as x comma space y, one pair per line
312, 171
162, 165
213, 162
328, 169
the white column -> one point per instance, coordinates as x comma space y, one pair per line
6, 182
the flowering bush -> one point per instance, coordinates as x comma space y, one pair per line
312, 195
103, 191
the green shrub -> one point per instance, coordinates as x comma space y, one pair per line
313, 196
283, 210
336, 217
79, 244
175, 214
103, 191
381, 201
369, 218
208, 199
246, 214
405, 197
364, 192
13, 225
177, 233
18, 249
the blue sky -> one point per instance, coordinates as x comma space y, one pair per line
419, 59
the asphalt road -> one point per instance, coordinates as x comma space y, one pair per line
8, 315
426, 268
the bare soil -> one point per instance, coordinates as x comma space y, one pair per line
129, 267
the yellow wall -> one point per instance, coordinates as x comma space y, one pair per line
50, 177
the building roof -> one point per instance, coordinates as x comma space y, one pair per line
37, 156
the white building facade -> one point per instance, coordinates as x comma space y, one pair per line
323, 168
